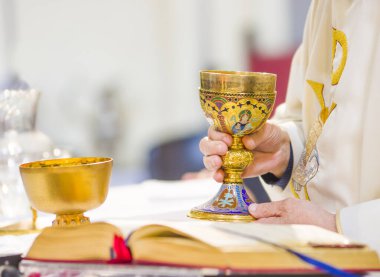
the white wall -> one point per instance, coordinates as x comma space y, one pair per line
148, 51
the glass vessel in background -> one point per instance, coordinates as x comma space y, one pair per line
20, 142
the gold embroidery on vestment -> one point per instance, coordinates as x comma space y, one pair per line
338, 38
308, 165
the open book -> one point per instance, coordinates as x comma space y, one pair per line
203, 244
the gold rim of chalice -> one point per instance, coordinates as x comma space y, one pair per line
66, 162
237, 81
67, 187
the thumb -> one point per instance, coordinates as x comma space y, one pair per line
264, 210
268, 139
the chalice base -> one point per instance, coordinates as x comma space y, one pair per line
229, 204
19, 228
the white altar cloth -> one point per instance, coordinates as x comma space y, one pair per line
133, 205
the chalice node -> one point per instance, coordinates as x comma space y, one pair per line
236, 103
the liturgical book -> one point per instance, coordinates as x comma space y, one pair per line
227, 246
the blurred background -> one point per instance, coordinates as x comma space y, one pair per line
119, 78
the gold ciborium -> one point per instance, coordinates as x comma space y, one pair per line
67, 187
237, 103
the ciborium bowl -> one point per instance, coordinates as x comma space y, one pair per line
236, 103
67, 187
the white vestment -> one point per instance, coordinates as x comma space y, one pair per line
339, 59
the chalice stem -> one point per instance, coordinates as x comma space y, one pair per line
235, 161
70, 219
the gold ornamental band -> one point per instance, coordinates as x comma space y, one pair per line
237, 81
220, 217
240, 94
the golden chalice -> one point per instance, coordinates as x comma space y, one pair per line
237, 103
67, 187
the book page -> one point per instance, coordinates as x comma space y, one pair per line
218, 234
241, 245
198, 230
286, 234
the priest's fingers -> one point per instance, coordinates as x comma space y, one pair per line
268, 139
213, 162
273, 220
212, 147
265, 210
263, 163
293, 211
219, 175
216, 135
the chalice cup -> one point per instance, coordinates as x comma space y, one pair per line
67, 187
236, 103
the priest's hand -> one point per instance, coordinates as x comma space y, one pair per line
270, 146
293, 211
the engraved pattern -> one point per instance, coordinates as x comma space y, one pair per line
70, 220
236, 82
237, 159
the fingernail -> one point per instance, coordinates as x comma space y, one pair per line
218, 176
250, 144
227, 140
213, 163
221, 148
252, 208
